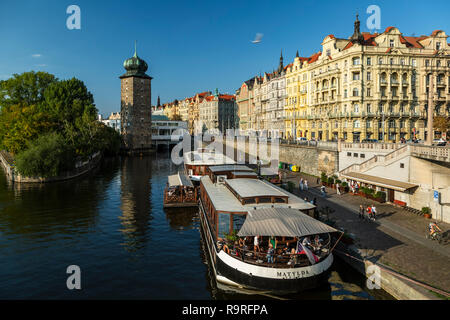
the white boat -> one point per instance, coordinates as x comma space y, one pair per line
234, 211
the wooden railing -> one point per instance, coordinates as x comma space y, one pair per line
180, 195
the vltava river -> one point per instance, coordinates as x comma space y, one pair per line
111, 223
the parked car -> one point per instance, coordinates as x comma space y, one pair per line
440, 142
301, 139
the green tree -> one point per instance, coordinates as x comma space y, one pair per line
47, 156
27, 88
68, 100
20, 124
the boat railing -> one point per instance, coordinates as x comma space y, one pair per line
180, 194
280, 259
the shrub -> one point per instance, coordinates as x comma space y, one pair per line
380, 195
47, 156
323, 177
290, 186
426, 210
344, 184
330, 180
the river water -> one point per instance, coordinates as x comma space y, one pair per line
111, 223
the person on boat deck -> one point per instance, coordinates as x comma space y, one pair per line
273, 241
306, 241
317, 243
256, 244
293, 259
270, 253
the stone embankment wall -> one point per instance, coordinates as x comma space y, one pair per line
312, 160
80, 169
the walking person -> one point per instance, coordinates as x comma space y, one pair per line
361, 212
306, 185
337, 189
301, 184
369, 212
322, 190
374, 212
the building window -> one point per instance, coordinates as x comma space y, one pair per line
402, 165
356, 61
391, 43
356, 76
380, 61
357, 124
369, 61
355, 92
362, 155
438, 46
355, 155
369, 76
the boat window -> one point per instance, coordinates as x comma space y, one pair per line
224, 224
238, 221
265, 200
251, 200
280, 200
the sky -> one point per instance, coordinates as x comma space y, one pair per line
190, 46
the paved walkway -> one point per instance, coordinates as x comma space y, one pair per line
396, 239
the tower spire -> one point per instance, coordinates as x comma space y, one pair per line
357, 36
135, 49
296, 55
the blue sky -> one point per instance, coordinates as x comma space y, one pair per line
190, 46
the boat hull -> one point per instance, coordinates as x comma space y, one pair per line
235, 272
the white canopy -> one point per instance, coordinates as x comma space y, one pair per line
281, 222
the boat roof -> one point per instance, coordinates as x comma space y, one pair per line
206, 158
243, 173
281, 222
179, 179
234, 168
246, 188
224, 200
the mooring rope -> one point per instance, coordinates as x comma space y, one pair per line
444, 293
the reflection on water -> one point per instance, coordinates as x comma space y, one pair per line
112, 224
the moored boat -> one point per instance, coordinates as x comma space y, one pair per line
293, 250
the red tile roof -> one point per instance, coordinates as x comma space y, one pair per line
314, 57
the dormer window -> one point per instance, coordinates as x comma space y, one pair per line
391, 43
438, 46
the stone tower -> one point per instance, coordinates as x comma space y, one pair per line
136, 108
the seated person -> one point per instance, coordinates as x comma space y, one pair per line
317, 245
293, 259
306, 242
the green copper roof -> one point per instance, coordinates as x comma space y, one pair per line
135, 66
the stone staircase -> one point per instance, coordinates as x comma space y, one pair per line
377, 160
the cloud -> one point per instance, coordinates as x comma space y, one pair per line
36, 55
40, 65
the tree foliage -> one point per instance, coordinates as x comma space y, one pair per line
27, 88
51, 121
47, 156
441, 124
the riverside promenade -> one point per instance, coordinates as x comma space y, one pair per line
396, 240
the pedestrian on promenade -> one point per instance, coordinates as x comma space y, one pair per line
361, 212
322, 190
374, 211
315, 201
318, 180
301, 184
337, 189
306, 199
369, 212
306, 185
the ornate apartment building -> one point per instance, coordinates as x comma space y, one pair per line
375, 86
244, 98
296, 97
136, 108
218, 113
269, 94
369, 86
